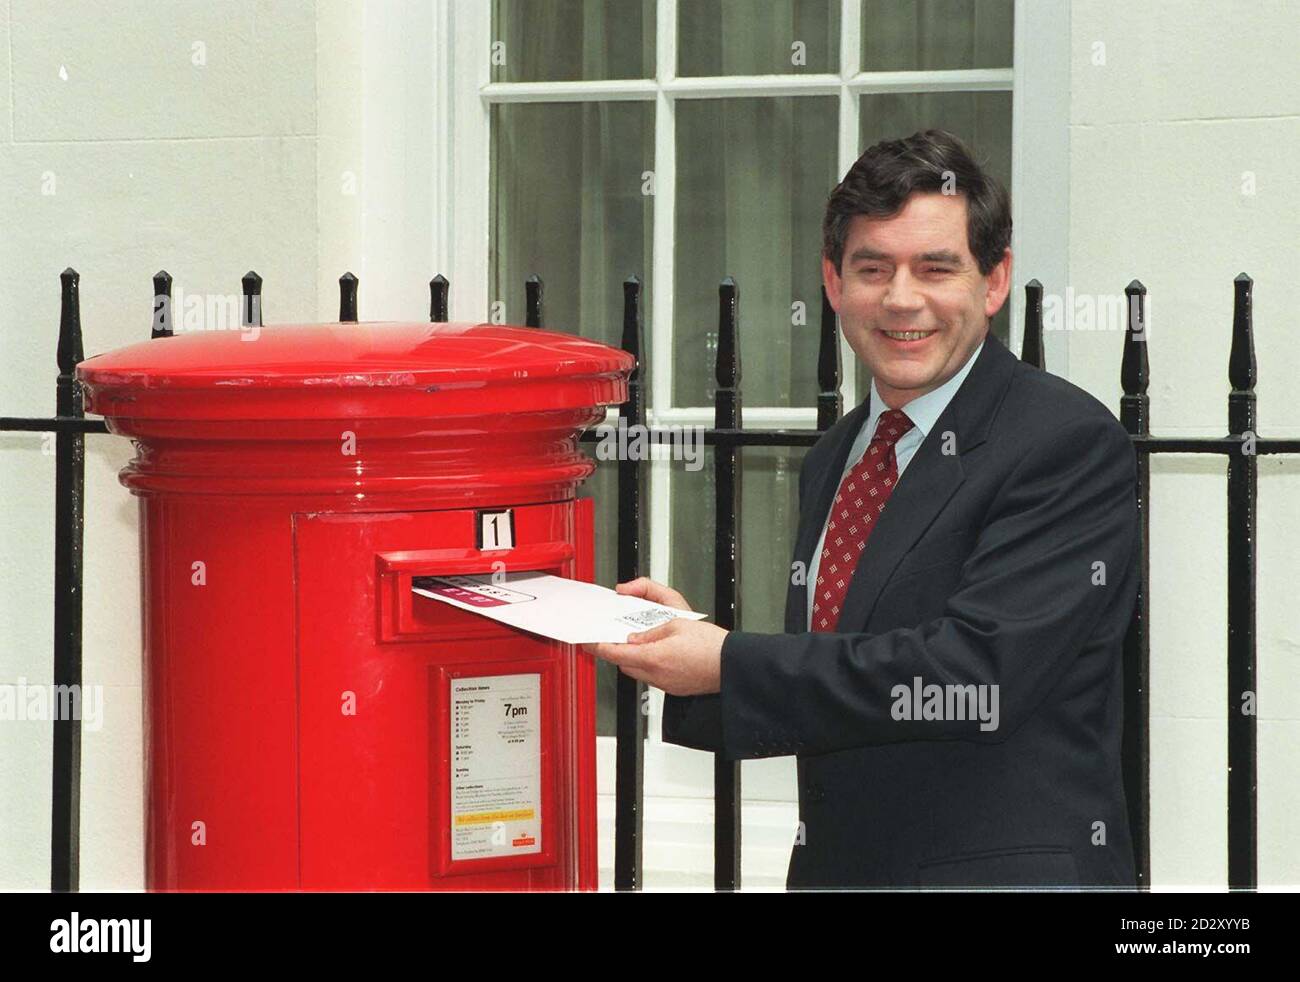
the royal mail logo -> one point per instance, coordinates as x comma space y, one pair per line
523, 840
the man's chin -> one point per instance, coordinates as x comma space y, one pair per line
902, 373
905, 382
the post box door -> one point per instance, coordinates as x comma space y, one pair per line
408, 779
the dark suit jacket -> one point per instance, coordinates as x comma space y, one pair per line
1010, 561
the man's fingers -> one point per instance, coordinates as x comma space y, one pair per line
658, 593
622, 655
634, 673
664, 630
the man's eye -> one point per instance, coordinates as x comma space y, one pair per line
938, 269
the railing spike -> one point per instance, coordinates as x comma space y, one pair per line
1031, 345
1134, 372
533, 304
69, 348
438, 290
830, 402
251, 312
163, 322
347, 298
1241, 357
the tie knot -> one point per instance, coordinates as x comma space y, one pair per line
892, 425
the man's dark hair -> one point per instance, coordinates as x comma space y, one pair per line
881, 180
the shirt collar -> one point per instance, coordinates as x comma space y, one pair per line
924, 411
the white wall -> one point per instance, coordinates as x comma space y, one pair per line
1192, 96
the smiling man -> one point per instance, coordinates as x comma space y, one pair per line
965, 570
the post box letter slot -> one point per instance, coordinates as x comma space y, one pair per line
404, 617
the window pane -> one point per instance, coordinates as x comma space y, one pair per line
770, 501
568, 204
936, 34
981, 119
758, 37
753, 176
572, 40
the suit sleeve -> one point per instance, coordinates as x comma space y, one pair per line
696, 721
1029, 597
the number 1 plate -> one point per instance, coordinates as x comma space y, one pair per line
495, 529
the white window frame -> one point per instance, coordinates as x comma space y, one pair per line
678, 781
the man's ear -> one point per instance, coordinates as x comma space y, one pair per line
831, 280
999, 285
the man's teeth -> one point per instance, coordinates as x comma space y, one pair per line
908, 335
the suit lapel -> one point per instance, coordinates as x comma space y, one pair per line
925, 487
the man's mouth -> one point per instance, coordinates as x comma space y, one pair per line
907, 337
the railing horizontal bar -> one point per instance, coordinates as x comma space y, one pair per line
756, 438
760, 417
53, 424
806, 438
1223, 445
713, 437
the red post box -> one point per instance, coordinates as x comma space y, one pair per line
309, 723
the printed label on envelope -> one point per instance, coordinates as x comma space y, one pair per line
470, 591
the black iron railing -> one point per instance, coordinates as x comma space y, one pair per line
728, 436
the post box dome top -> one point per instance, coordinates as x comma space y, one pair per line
368, 353
380, 369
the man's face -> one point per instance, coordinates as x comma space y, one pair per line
914, 272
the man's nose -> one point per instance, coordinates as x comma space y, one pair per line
902, 295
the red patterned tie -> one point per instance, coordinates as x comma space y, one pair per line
860, 499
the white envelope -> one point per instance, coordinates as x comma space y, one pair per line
552, 606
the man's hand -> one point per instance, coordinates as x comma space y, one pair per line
682, 657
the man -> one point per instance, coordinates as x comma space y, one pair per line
951, 682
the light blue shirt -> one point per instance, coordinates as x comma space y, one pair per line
924, 411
